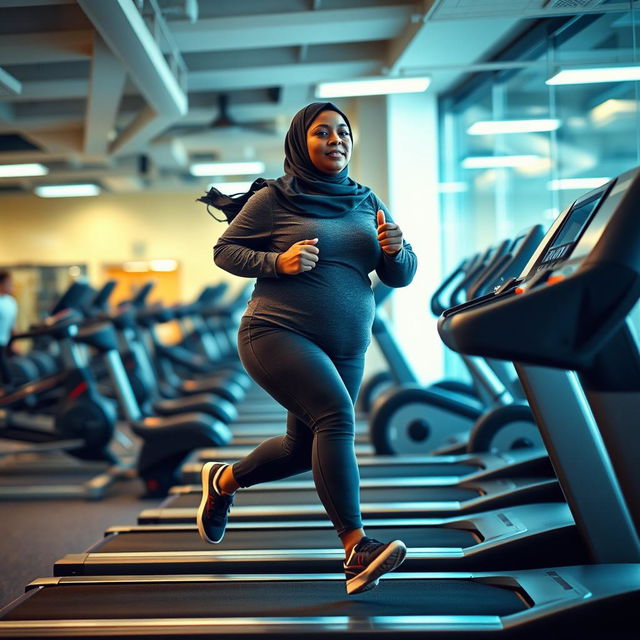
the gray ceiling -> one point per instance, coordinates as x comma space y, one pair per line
124, 92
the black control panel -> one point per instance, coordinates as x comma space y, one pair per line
577, 220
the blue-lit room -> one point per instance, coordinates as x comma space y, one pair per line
319, 318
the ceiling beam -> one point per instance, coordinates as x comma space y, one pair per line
55, 141
289, 74
6, 4
39, 48
169, 153
10, 124
291, 29
106, 84
147, 125
51, 90
18, 157
9, 84
7, 114
403, 40
125, 32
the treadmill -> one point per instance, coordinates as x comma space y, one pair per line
410, 419
283, 502
444, 486
441, 469
591, 296
522, 536
501, 538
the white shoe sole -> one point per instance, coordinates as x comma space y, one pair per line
206, 487
391, 558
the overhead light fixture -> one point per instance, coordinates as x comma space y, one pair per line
230, 188
595, 74
542, 166
607, 111
372, 87
577, 183
226, 168
498, 162
136, 266
67, 190
453, 187
142, 266
163, 265
22, 170
490, 127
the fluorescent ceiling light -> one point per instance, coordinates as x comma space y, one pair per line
371, 87
136, 266
164, 265
142, 266
230, 188
577, 183
595, 74
541, 166
489, 127
22, 170
491, 162
453, 187
67, 190
226, 168
607, 111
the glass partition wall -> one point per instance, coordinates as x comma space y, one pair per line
522, 141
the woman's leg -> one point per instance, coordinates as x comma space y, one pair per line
318, 393
320, 430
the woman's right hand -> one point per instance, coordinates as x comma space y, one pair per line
299, 257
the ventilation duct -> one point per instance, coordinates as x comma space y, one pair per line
571, 4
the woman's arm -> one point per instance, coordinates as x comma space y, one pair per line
243, 249
395, 269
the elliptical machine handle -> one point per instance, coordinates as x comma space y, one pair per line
436, 305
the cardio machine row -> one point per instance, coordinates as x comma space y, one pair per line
585, 268
192, 390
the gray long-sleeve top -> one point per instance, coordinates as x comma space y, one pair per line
332, 304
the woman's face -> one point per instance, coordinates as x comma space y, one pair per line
329, 142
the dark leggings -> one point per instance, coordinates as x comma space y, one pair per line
318, 391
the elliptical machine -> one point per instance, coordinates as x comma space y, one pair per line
412, 419
168, 440
83, 422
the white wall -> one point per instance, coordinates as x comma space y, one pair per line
414, 203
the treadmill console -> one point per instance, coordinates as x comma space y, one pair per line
576, 231
577, 219
588, 261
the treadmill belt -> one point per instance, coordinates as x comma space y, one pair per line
309, 496
159, 541
74, 478
268, 599
383, 470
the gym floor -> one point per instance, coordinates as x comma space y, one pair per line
36, 533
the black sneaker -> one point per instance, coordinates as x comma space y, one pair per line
214, 507
369, 560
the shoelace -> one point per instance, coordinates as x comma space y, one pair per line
366, 545
219, 505
363, 548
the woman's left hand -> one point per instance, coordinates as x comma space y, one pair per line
389, 235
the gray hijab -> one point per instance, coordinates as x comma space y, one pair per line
304, 189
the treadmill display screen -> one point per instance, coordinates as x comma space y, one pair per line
571, 230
